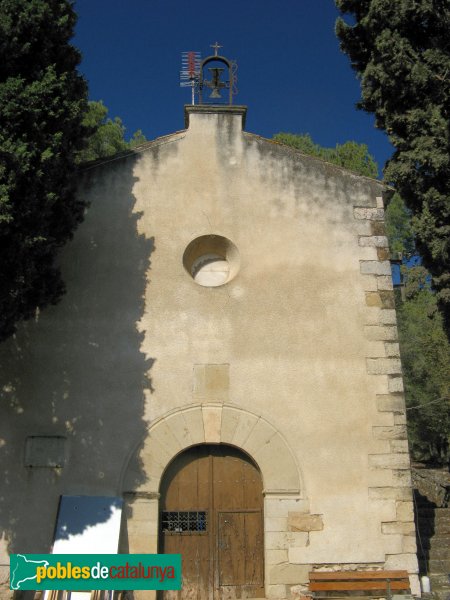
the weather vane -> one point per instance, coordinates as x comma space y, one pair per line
193, 75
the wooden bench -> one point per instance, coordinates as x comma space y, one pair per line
360, 583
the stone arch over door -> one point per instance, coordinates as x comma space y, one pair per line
209, 424
215, 424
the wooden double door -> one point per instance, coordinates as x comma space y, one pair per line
212, 514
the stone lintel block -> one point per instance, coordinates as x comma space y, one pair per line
383, 366
409, 544
304, 522
384, 282
395, 493
391, 403
392, 349
378, 241
396, 432
383, 254
372, 214
276, 557
375, 267
400, 419
405, 511
389, 461
379, 332
400, 446
398, 528
276, 591
395, 385
289, 574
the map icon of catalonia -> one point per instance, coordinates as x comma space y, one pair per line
23, 569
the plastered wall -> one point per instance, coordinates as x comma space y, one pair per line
295, 360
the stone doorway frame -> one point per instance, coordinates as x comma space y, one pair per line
204, 424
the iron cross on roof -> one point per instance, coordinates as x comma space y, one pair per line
216, 47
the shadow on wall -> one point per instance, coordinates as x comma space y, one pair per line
73, 381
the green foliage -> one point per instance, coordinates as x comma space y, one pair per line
42, 106
425, 352
108, 135
401, 52
349, 155
398, 227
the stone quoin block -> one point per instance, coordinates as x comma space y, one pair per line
378, 228
396, 432
399, 528
400, 446
392, 349
388, 317
405, 511
375, 267
379, 332
395, 385
372, 214
390, 403
394, 493
383, 366
378, 241
402, 478
389, 461
384, 282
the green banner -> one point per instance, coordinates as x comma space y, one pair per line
95, 572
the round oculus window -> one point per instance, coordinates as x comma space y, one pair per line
211, 260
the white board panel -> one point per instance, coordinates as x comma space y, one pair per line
88, 525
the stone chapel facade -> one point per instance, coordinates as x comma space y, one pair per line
225, 361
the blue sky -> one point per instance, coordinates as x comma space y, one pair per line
291, 72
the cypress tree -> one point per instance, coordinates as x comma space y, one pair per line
43, 100
401, 52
